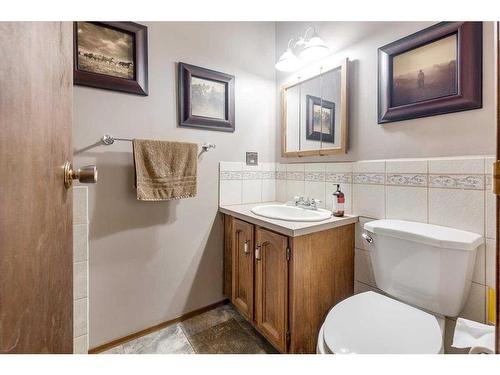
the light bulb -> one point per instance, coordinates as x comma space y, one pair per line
288, 62
314, 48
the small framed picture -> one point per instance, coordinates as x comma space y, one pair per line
111, 55
434, 71
320, 119
206, 98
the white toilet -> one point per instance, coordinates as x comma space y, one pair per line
426, 268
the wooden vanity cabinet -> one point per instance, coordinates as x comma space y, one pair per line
286, 285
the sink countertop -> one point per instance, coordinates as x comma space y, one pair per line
289, 228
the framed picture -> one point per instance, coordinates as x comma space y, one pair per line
111, 55
320, 119
434, 71
206, 98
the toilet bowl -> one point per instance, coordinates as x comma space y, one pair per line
426, 268
371, 323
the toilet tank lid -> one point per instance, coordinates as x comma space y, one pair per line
429, 234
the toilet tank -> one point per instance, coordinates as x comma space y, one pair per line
425, 265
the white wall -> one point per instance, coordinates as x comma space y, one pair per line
462, 133
153, 261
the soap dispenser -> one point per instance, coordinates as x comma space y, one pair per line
338, 202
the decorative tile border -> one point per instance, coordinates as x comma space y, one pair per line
404, 179
473, 182
268, 175
296, 176
247, 175
338, 178
368, 178
433, 180
230, 175
251, 175
315, 176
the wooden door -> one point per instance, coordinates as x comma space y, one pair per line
36, 249
243, 268
271, 287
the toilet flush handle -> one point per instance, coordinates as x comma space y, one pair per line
367, 238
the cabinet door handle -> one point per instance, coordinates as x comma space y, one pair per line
246, 250
257, 253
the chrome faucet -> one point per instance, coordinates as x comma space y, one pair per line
308, 204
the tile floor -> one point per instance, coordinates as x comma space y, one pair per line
219, 331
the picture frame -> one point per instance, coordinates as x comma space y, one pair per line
417, 76
205, 98
111, 56
312, 131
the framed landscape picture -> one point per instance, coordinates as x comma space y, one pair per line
111, 55
206, 98
434, 71
320, 119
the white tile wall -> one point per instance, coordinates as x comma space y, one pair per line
452, 192
461, 209
281, 182
80, 318
268, 190
406, 203
80, 269
479, 275
368, 200
240, 183
490, 258
251, 190
314, 182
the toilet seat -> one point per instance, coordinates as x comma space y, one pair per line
370, 323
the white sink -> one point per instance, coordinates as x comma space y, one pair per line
291, 213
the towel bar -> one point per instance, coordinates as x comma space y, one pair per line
109, 140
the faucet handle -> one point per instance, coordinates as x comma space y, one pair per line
315, 202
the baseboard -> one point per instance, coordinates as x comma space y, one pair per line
144, 332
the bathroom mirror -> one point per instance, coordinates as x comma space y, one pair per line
314, 114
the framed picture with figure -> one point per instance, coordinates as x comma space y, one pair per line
434, 71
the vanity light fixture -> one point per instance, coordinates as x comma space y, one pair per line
309, 49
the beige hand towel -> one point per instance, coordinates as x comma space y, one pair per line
165, 170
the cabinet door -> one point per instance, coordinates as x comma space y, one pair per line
243, 268
271, 287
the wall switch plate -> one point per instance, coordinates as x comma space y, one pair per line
252, 158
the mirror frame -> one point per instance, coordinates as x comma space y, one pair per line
342, 149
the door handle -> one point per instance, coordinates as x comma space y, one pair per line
85, 175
